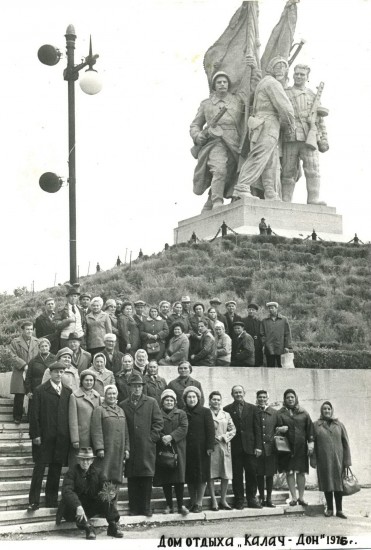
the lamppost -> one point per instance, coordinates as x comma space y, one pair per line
91, 84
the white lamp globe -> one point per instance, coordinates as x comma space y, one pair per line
90, 82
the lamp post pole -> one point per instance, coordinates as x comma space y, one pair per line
71, 75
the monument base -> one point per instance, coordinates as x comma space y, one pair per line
243, 216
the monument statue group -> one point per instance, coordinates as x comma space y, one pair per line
255, 134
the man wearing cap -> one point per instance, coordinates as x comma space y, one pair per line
145, 422
46, 325
246, 446
85, 299
252, 327
262, 227
72, 316
23, 348
276, 335
113, 356
49, 431
139, 315
186, 305
216, 303
231, 317
243, 351
80, 358
81, 498
217, 145
70, 376
272, 110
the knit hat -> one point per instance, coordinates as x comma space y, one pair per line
191, 388
168, 393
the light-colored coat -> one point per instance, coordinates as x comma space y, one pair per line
80, 410
109, 432
221, 458
97, 326
331, 454
105, 378
84, 360
22, 355
178, 349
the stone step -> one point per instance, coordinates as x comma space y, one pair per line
6, 401
6, 416
15, 460
11, 427
14, 473
15, 448
7, 409
14, 436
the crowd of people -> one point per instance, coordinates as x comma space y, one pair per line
107, 413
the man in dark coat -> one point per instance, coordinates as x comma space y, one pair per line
246, 447
276, 335
49, 431
82, 498
113, 357
154, 383
139, 315
145, 422
80, 358
179, 384
231, 317
243, 350
46, 325
252, 327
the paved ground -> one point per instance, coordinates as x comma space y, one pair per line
357, 508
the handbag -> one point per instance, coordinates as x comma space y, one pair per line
153, 347
167, 458
282, 444
350, 483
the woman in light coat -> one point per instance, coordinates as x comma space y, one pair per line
331, 457
110, 436
178, 348
223, 345
98, 324
104, 377
221, 459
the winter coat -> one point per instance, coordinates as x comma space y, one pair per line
128, 333
83, 361
96, 328
21, 356
179, 319
268, 421
178, 349
155, 387
243, 350
78, 487
248, 435
109, 432
221, 458
46, 327
80, 410
176, 425
115, 363
223, 350
153, 326
49, 421
105, 378
275, 335
206, 355
299, 434
70, 378
200, 438
331, 454
253, 327
145, 424
178, 385
36, 368
229, 328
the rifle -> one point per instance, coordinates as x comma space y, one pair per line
211, 130
316, 110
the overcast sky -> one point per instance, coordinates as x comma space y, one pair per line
134, 168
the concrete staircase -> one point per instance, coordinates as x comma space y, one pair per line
16, 467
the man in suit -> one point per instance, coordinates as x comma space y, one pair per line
85, 299
246, 447
252, 327
23, 348
113, 357
49, 431
243, 351
72, 316
81, 359
46, 325
231, 317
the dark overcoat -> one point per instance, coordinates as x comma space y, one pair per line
229, 328
267, 461
45, 327
200, 438
248, 434
145, 423
243, 350
178, 385
252, 327
154, 387
115, 363
176, 425
332, 454
36, 368
49, 421
128, 333
299, 434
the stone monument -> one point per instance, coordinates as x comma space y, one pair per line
255, 134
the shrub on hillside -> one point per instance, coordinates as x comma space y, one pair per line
316, 358
350, 333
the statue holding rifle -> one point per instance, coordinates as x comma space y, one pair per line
304, 143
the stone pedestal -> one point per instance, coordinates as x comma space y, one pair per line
243, 216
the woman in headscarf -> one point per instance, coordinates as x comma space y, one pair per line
98, 324
110, 436
178, 347
331, 457
173, 436
154, 331
128, 331
141, 361
223, 345
296, 424
200, 445
103, 376
221, 458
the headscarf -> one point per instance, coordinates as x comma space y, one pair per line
331, 419
296, 404
99, 355
140, 367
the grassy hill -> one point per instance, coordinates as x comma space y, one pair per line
323, 287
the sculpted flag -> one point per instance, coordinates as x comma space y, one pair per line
240, 38
282, 35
